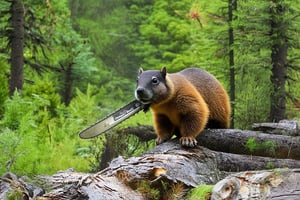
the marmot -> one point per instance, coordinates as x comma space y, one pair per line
183, 103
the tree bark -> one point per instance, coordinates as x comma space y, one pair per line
110, 151
279, 60
68, 83
16, 40
232, 6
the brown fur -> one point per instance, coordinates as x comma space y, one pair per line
186, 102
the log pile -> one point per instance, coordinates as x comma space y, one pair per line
224, 158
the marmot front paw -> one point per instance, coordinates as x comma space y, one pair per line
188, 141
160, 140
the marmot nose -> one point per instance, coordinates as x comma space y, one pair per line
140, 91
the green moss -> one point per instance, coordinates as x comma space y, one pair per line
270, 165
14, 195
201, 192
253, 145
148, 191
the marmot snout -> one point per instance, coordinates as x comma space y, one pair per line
151, 86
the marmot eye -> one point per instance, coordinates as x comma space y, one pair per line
155, 80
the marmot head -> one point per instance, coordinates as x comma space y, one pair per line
152, 86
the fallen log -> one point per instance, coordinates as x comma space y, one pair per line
283, 127
166, 171
239, 142
81, 186
17, 188
200, 158
251, 143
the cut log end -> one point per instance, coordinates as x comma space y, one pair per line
275, 184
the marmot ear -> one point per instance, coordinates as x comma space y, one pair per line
141, 70
163, 71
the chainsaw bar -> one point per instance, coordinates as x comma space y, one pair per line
111, 120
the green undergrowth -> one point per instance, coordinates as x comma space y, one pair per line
39, 134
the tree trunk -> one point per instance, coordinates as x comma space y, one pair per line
67, 83
279, 60
17, 44
110, 151
232, 6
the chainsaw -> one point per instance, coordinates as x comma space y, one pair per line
112, 119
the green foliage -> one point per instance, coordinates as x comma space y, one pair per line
164, 34
43, 89
83, 106
15, 109
110, 33
253, 145
3, 86
200, 193
76, 66
34, 134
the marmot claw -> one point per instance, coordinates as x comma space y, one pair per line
188, 141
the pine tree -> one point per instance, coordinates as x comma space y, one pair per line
280, 24
16, 41
232, 7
